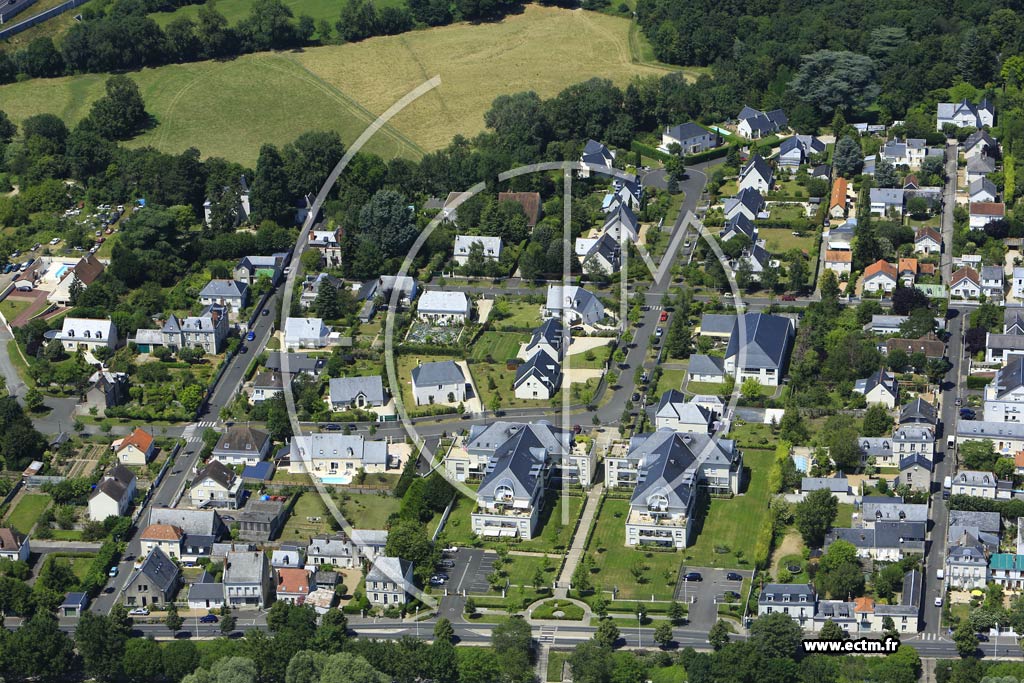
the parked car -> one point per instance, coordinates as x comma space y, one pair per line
108, 590
251, 336
982, 638
636, 397
243, 349
208, 619
446, 564
332, 427
966, 414
113, 571
693, 576
788, 297
452, 549
664, 316
660, 331
138, 612
437, 581
938, 601
733, 576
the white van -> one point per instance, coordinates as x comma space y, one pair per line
951, 442
940, 574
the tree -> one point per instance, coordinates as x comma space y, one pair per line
675, 613
227, 620
663, 634
718, 636
829, 286
120, 113
814, 516
776, 635
332, 633
581, 575
309, 160
831, 80
797, 274
173, 621
512, 641
848, 157
387, 222
469, 608
885, 174
839, 572
830, 630
751, 388
607, 633
965, 638
179, 658
269, 197
792, 427
142, 660
677, 342
39, 649
101, 641
907, 299
407, 539
877, 421
345, 667
33, 400
7, 128
443, 630
591, 662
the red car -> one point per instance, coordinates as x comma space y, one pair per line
664, 316
788, 297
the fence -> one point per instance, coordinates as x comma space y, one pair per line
40, 18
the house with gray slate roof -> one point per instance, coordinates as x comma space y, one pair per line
798, 600
230, 293
763, 351
356, 392
333, 457
547, 338
757, 175
691, 138
918, 411
538, 378
1004, 395
438, 382
247, 579
443, 308
704, 368
717, 325
154, 583
665, 469
754, 123
738, 225
242, 445
885, 541
675, 413
389, 581
878, 388
747, 202
595, 154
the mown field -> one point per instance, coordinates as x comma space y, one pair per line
228, 108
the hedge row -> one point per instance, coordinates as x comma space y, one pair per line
978, 382
649, 151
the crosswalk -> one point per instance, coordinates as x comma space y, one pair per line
193, 433
930, 636
547, 634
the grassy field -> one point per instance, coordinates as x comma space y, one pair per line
367, 510
670, 379
613, 561
781, 240
23, 517
500, 346
554, 535
236, 10
344, 88
521, 315
733, 522
79, 563
298, 527
12, 307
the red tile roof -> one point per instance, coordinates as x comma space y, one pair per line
141, 439
928, 232
838, 256
880, 266
965, 273
293, 581
162, 532
838, 193
988, 209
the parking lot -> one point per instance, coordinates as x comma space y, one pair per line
472, 565
704, 595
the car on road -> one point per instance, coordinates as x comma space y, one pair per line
693, 576
113, 571
266, 311
660, 331
251, 336
664, 316
733, 576
959, 401
208, 619
332, 427
243, 349
108, 590
938, 601
982, 638
446, 564
636, 398
451, 549
139, 612
788, 297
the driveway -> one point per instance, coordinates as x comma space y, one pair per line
703, 596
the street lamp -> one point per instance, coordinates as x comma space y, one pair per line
417, 623
639, 622
995, 642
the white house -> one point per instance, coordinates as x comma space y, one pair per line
880, 276
965, 284
113, 494
443, 308
595, 154
438, 382
334, 458
691, 138
305, 333
983, 213
965, 114
748, 202
14, 546
675, 413
927, 241
135, 449
216, 486
490, 247
389, 581
1004, 395
705, 368
879, 388
797, 150
87, 333
886, 201
757, 175
982, 190
241, 445
839, 261
910, 152
1018, 282
230, 293
356, 392
992, 280
538, 378
574, 304
754, 123
981, 485
763, 351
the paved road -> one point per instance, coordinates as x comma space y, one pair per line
948, 203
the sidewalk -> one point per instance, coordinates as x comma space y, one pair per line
579, 540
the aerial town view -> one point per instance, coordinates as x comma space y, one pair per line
480, 341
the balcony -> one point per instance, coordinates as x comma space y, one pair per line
646, 518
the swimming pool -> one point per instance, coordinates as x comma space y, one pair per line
338, 479
60, 271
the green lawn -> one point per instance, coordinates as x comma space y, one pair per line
712, 388
733, 522
554, 534
346, 87
781, 240
668, 674
520, 569
613, 561
591, 359
23, 517
298, 526
670, 379
80, 563
503, 378
404, 365
521, 315
11, 307
499, 346
752, 435
458, 530
570, 610
367, 510
844, 519
556, 660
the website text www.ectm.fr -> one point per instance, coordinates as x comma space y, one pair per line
857, 646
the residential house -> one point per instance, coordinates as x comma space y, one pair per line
138, 448
1007, 437
913, 438
295, 363
627, 190
14, 546
248, 579
363, 393
980, 484
204, 523
1004, 395
333, 457
979, 143
242, 445
907, 268
154, 584
979, 166
739, 225
251, 268
798, 149
389, 581
379, 292
841, 237
490, 248
106, 390
74, 604
930, 345
530, 203
889, 541
910, 152
306, 333
886, 201
675, 413
1007, 570
292, 585
438, 382
880, 276
965, 284
259, 521
927, 241
705, 368
621, 223
983, 213
797, 600
982, 190
757, 175
207, 331
839, 262
574, 305
837, 204
717, 325
440, 307
230, 293
916, 472
87, 333
538, 378
595, 154
265, 386
83, 274
992, 282
549, 338
754, 124
206, 595
166, 537
338, 551
1000, 348
965, 114
691, 138
880, 388
216, 486
602, 254
113, 495
918, 411
888, 509
763, 351
838, 486
328, 243
748, 202
666, 469
287, 556
906, 616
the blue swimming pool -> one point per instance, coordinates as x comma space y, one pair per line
60, 271
342, 479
